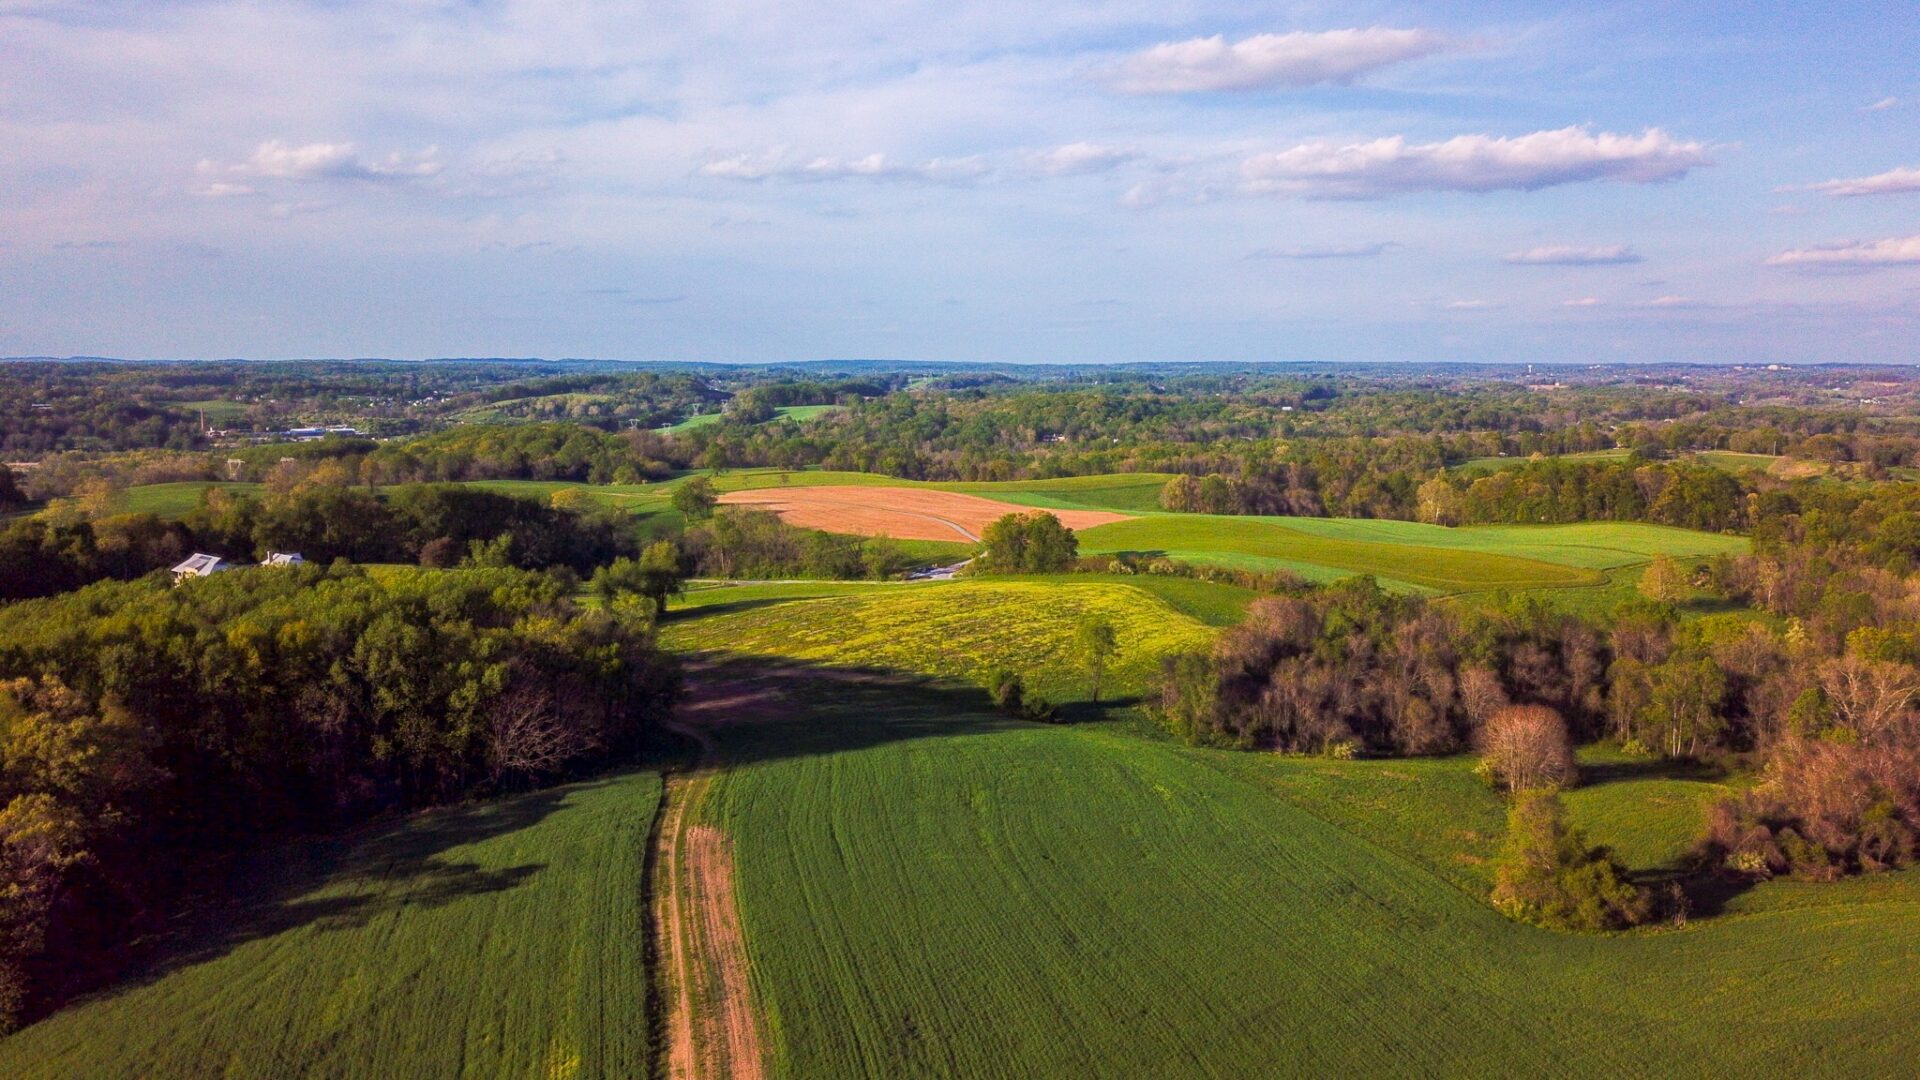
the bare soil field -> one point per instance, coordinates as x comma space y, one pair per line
902, 513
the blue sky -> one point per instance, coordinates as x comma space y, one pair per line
1035, 182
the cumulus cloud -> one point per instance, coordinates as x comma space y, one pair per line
1891, 182
1269, 60
1470, 163
1557, 255
1326, 251
1882, 105
774, 165
277, 160
1080, 158
1852, 254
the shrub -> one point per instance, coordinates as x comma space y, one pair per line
1548, 876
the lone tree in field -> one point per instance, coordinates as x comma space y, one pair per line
1663, 581
656, 575
1094, 640
1526, 746
1548, 876
695, 499
1033, 543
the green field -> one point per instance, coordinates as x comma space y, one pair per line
1280, 544
800, 413
1495, 464
174, 500
503, 939
933, 893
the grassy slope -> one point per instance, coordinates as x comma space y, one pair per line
176, 499
502, 939
928, 893
1278, 543
785, 412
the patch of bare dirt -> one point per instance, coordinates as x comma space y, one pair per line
901, 513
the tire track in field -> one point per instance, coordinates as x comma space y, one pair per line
711, 1028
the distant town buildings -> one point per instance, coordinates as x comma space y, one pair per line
309, 434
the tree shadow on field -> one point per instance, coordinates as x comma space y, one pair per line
729, 607
760, 709
343, 882
1594, 774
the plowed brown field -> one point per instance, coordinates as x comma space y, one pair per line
902, 513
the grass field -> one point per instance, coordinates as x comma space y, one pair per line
173, 500
785, 412
503, 939
1283, 543
1495, 464
961, 629
933, 893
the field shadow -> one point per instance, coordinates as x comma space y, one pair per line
759, 709
337, 883
1595, 774
730, 607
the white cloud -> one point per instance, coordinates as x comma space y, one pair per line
1470, 163
775, 164
1558, 255
277, 160
1853, 254
1882, 105
1268, 60
1674, 302
1080, 158
1891, 182
222, 189
1326, 251
1582, 301
1471, 305
1145, 195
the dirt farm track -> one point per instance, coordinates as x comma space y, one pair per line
902, 513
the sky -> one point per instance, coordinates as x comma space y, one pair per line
1061, 181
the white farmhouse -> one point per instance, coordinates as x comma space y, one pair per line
198, 565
